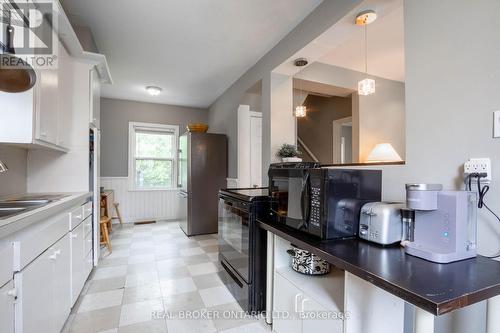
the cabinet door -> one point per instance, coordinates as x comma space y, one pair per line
286, 300
34, 306
77, 261
313, 320
65, 110
46, 108
61, 282
7, 308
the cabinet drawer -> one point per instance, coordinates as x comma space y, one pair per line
75, 217
6, 260
87, 225
29, 245
87, 209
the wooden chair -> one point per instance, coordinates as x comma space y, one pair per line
103, 223
117, 210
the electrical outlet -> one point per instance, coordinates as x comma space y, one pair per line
478, 165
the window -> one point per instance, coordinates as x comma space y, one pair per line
152, 156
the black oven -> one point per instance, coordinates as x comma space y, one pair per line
242, 245
323, 202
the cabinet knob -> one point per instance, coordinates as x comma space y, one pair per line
12, 293
53, 256
73, 235
78, 217
43, 134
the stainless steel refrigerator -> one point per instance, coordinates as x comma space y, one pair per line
202, 173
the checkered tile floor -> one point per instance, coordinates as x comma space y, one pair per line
154, 276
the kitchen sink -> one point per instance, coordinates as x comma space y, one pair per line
9, 211
21, 204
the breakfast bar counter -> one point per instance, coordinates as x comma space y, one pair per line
435, 288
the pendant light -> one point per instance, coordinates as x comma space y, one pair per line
16, 75
366, 86
300, 110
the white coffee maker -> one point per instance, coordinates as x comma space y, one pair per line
441, 225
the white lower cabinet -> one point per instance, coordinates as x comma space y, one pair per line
43, 302
286, 302
295, 311
49, 283
7, 298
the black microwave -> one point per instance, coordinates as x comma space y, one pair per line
322, 202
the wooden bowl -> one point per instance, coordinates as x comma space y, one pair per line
197, 128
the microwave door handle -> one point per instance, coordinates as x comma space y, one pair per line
305, 202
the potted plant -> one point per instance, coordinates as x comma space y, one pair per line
289, 153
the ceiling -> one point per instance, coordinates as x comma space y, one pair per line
193, 49
385, 48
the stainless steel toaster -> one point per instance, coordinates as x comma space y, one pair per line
380, 222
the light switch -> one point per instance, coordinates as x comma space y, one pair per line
496, 124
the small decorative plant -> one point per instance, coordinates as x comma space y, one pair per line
288, 151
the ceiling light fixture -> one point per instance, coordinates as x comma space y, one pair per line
153, 90
366, 86
300, 110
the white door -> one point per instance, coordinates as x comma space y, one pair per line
34, 305
249, 147
77, 261
7, 308
47, 105
286, 302
256, 150
61, 282
310, 324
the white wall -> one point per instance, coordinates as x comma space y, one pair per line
13, 181
140, 205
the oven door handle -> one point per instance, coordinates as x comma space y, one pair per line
305, 204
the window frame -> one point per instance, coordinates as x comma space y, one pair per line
133, 128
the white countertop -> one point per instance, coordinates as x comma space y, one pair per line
17, 222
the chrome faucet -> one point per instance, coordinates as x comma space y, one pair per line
3, 167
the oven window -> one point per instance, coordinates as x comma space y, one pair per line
234, 237
286, 195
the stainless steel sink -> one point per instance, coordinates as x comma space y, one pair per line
9, 211
18, 205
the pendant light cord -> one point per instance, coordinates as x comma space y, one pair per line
366, 48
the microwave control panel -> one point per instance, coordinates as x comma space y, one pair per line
315, 206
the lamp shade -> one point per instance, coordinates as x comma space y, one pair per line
384, 152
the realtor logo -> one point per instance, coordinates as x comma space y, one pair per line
29, 32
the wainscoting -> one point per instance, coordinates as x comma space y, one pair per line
141, 205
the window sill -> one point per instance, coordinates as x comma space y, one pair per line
154, 189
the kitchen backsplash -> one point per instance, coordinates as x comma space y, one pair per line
13, 181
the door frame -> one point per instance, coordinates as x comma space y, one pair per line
339, 150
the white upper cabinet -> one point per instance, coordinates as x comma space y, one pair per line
39, 116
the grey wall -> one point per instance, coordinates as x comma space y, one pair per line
223, 112
115, 116
254, 100
378, 117
316, 129
13, 181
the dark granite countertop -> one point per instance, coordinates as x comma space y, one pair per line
436, 288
